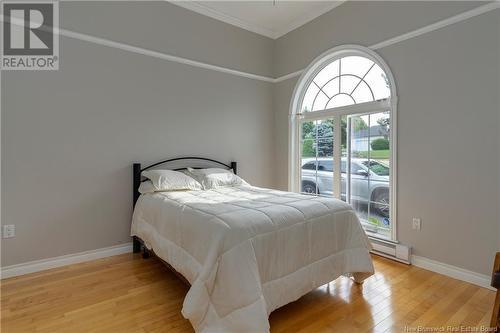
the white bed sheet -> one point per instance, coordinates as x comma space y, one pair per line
247, 250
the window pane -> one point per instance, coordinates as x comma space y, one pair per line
309, 165
320, 102
369, 191
356, 65
317, 157
377, 80
340, 100
324, 129
379, 162
332, 87
327, 73
343, 161
362, 93
346, 81
325, 156
311, 93
326, 165
359, 144
359, 194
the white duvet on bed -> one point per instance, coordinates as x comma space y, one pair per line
247, 251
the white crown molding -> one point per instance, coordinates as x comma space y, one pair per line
308, 17
288, 76
452, 271
199, 8
44, 264
210, 12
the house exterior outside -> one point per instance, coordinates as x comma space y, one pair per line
362, 139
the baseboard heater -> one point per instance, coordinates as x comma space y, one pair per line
391, 250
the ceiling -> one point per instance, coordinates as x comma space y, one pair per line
265, 17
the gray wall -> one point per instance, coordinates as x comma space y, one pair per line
163, 27
69, 136
359, 22
448, 128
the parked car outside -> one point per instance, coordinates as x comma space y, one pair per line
369, 180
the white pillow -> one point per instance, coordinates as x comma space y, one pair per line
169, 180
146, 187
216, 177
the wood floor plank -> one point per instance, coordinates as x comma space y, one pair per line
126, 293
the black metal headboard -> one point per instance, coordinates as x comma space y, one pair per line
137, 169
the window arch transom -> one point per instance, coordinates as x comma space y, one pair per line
346, 81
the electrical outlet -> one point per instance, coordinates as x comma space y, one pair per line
9, 231
417, 223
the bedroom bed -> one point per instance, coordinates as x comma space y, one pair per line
245, 250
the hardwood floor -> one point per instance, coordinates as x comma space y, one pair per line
129, 294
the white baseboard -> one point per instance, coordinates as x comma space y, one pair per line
43, 264
452, 271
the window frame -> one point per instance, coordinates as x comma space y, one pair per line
296, 117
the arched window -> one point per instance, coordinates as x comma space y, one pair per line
343, 118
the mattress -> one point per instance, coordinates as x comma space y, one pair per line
247, 250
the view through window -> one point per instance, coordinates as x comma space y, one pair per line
344, 126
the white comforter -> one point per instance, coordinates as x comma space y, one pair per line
247, 251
